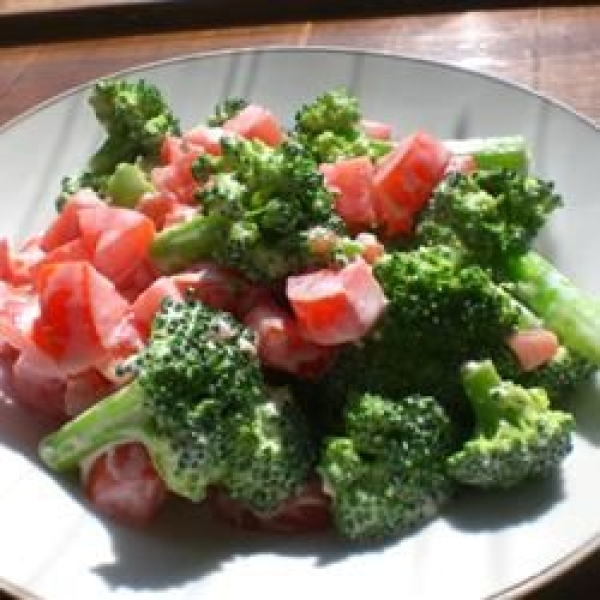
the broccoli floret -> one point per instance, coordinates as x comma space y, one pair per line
201, 407
136, 119
225, 110
492, 217
517, 436
440, 313
260, 206
387, 472
330, 128
488, 215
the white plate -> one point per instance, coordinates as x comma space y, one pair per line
53, 545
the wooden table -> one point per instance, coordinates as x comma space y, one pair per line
555, 50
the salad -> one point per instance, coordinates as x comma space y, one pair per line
320, 326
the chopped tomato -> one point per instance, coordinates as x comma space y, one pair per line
171, 149
19, 308
376, 129
533, 347
176, 178
372, 248
148, 302
208, 138
84, 389
116, 239
80, 313
123, 484
405, 179
351, 180
256, 122
308, 510
282, 347
335, 307
65, 227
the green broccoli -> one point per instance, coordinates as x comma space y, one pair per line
136, 119
387, 472
440, 313
260, 208
492, 218
516, 436
330, 128
201, 407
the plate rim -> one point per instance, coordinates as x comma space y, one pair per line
553, 571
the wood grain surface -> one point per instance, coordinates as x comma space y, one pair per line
554, 50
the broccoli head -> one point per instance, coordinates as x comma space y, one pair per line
489, 214
516, 436
387, 472
226, 110
136, 119
260, 206
199, 404
330, 129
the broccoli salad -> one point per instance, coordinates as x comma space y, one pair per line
324, 325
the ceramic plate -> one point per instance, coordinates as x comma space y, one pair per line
484, 545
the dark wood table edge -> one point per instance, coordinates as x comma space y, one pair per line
126, 18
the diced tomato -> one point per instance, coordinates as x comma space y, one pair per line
256, 122
335, 307
405, 179
533, 347
19, 308
123, 484
372, 248
308, 510
156, 206
465, 164
138, 280
176, 178
376, 129
80, 311
180, 213
208, 138
219, 287
65, 227
84, 389
116, 239
17, 268
351, 180
33, 386
282, 347
171, 149
148, 302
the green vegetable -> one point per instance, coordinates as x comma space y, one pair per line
491, 153
517, 436
226, 110
127, 185
387, 471
200, 406
136, 119
261, 206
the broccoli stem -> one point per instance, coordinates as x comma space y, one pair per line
127, 185
564, 308
479, 378
179, 246
494, 152
119, 417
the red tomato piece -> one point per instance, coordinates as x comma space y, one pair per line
65, 227
282, 347
533, 347
465, 164
84, 389
308, 510
148, 302
123, 484
19, 308
116, 239
208, 138
171, 149
372, 248
156, 206
405, 179
335, 307
80, 313
376, 129
351, 180
256, 122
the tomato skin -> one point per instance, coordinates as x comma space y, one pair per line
461, 164
123, 484
308, 510
533, 347
18, 268
208, 138
405, 179
336, 307
281, 345
376, 129
351, 180
116, 239
256, 122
